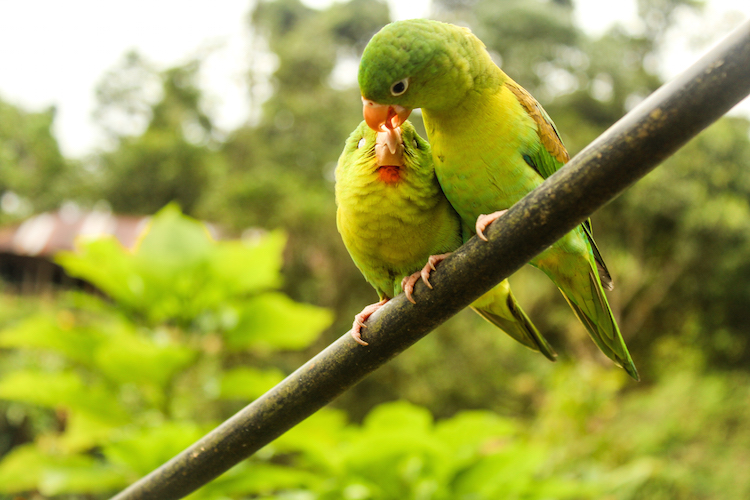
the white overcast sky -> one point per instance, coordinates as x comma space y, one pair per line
54, 53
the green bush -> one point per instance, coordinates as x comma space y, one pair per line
130, 380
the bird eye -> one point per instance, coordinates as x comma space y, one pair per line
399, 87
361, 143
416, 144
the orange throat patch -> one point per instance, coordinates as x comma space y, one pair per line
390, 174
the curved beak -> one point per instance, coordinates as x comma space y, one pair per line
390, 116
389, 149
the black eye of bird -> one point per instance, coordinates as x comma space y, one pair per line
361, 143
399, 87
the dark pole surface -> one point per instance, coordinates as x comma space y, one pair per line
623, 154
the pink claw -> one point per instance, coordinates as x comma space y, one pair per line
485, 220
359, 320
407, 284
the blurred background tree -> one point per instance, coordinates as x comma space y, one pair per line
165, 146
678, 244
34, 175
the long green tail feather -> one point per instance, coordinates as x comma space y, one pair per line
604, 275
602, 326
499, 307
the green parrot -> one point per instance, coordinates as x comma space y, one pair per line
393, 217
492, 143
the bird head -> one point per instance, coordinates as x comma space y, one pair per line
413, 64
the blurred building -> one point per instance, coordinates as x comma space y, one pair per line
27, 249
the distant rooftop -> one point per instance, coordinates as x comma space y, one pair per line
46, 234
27, 248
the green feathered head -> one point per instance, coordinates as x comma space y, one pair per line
419, 63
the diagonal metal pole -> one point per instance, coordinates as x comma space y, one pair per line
623, 154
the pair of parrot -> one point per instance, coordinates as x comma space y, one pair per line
490, 143
393, 217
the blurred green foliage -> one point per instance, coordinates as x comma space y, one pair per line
131, 381
96, 392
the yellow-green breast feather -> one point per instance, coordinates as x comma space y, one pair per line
391, 228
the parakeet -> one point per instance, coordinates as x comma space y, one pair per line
492, 143
393, 217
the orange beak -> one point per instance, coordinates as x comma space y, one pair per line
378, 116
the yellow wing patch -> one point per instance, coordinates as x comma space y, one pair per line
545, 128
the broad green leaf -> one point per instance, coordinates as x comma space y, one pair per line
82, 475
247, 267
514, 469
27, 468
85, 432
472, 433
62, 389
106, 264
177, 271
143, 450
398, 415
248, 382
58, 333
273, 320
127, 356
44, 389
171, 243
172, 260
161, 277
397, 446
21, 469
257, 478
319, 438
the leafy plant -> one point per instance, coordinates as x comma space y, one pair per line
132, 379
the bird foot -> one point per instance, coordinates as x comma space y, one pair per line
485, 220
359, 320
407, 284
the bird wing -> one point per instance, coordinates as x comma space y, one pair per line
548, 159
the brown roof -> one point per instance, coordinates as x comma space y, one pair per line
47, 233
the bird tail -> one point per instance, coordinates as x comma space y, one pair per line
590, 305
499, 307
601, 267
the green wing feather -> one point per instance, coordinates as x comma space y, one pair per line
593, 312
548, 159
